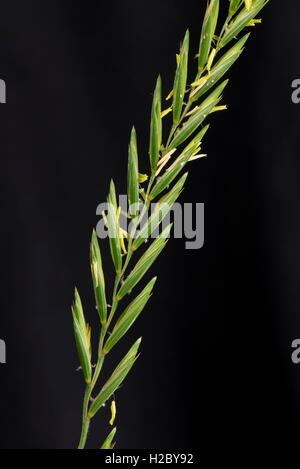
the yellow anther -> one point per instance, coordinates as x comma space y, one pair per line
113, 412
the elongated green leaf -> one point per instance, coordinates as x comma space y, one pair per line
144, 263
129, 355
138, 272
113, 233
190, 126
170, 175
112, 194
158, 110
142, 297
78, 310
160, 212
234, 6
208, 30
132, 175
115, 380
241, 21
180, 79
110, 387
222, 66
83, 346
170, 197
215, 94
155, 127
98, 278
129, 316
198, 137
108, 440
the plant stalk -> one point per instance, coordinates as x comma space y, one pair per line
85, 419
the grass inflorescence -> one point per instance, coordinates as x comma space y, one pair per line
191, 104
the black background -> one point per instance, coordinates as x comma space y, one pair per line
215, 369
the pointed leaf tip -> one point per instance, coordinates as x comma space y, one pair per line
133, 175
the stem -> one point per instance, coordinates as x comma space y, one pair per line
84, 433
174, 127
100, 360
85, 419
225, 26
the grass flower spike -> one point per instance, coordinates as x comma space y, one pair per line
191, 103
